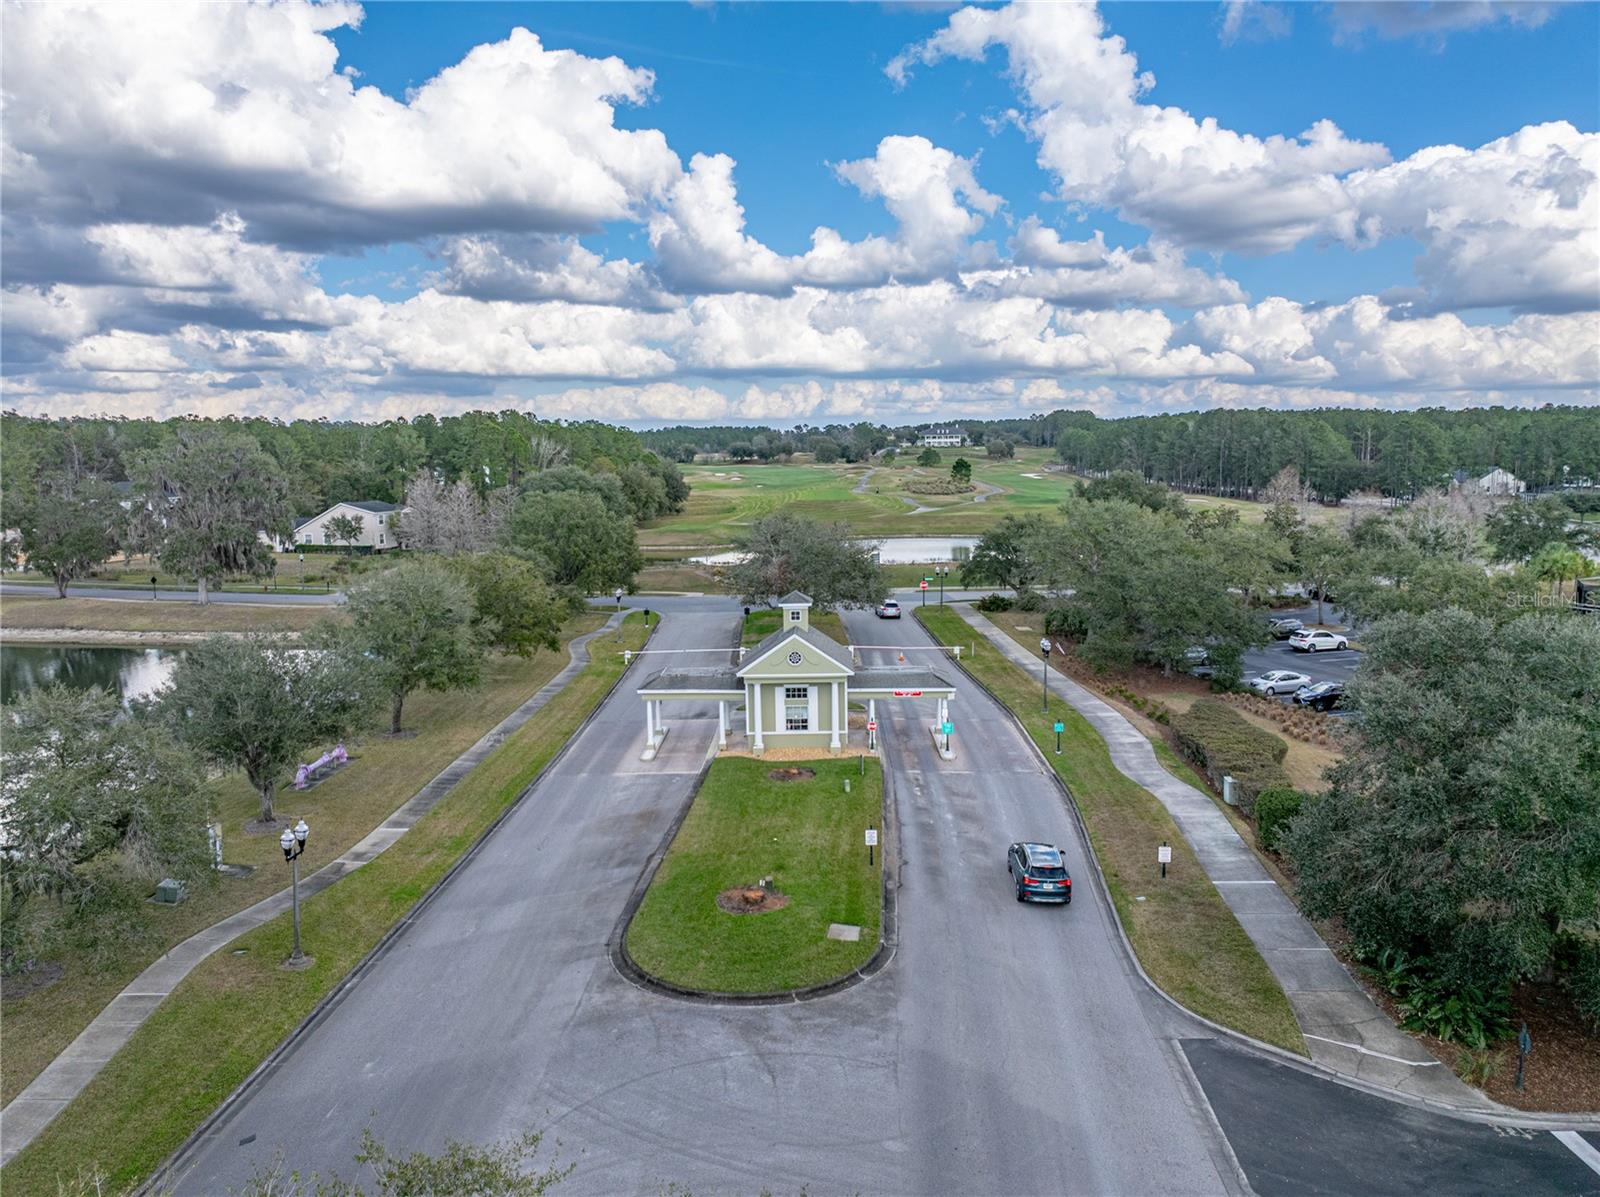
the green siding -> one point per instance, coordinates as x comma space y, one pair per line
813, 664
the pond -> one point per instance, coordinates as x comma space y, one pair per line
129, 672
892, 550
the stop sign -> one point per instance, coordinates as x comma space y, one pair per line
872, 725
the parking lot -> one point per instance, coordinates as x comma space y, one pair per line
1335, 665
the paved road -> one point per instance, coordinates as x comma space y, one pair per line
1006, 1048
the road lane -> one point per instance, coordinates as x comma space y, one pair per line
1006, 1047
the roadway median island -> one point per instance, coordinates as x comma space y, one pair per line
230, 1013
1184, 935
707, 924
138, 619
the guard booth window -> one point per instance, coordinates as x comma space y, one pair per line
796, 708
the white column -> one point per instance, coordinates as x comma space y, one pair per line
661, 720
837, 690
649, 723
755, 691
722, 723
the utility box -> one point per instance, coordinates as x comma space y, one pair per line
1230, 791
171, 892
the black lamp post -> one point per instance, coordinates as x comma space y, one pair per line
1044, 674
944, 572
293, 843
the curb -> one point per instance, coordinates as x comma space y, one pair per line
888, 939
152, 1185
1261, 1047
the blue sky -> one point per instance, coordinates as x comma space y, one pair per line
768, 84
528, 254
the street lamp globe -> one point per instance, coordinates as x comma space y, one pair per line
286, 842
1044, 645
300, 832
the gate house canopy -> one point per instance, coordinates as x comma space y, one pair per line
797, 686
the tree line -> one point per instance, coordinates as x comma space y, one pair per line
1337, 451
208, 500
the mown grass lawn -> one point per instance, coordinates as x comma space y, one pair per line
142, 615
807, 836
232, 1010
1183, 933
726, 498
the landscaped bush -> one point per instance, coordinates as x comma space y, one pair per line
1477, 1017
1030, 600
1275, 806
991, 603
1224, 743
1582, 976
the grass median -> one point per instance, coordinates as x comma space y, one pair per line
1183, 933
744, 826
229, 1013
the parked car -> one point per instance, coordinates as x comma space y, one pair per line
1039, 872
1310, 640
1278, 681
1323, 696
1197, 659
889, 610
1283, 627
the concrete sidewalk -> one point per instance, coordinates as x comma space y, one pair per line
1344, 1030
78, 1064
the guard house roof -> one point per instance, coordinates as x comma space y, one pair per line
826, 645
900, 679
795, 599
694, 680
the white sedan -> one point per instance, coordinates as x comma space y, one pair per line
889, 610
1278, 681
1310, 640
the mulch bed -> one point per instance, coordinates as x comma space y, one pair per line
738, 900
790, 773
22, 984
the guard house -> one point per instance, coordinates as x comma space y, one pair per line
796, 686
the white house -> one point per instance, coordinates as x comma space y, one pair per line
942, 436
1500, 482
377, 531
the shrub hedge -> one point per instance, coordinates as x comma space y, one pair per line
991, 603
1224, 743
1274, 808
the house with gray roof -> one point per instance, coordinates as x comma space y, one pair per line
376, 518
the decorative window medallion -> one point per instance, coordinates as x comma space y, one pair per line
795, 658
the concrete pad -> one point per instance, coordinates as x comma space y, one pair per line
844, 931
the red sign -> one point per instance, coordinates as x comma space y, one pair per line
908, 693
923, 585
872, 725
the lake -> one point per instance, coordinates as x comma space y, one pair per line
129, 672
892, 550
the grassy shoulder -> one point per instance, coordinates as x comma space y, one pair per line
761, 623
229, 1013
143, 615
1183, 933
383, 774
807, 836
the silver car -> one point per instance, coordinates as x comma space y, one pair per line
1278, 681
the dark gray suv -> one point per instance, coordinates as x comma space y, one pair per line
1039, 872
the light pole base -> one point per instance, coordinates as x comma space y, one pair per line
297, 964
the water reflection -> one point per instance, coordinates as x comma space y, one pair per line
892, 550
128, 672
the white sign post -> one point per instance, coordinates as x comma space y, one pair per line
1164, 856
872, 842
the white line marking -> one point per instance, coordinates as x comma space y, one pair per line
1580, 1147
1367, 1051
